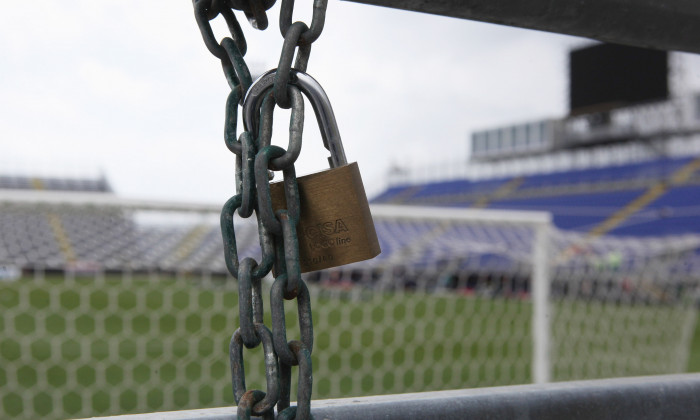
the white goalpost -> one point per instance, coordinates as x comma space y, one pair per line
540, 223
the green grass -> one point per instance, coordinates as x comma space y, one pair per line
81, 347
694, 360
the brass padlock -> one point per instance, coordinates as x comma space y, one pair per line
335, 225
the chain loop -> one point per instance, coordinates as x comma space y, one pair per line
245, 162
235, 68
296, 126
234, 28
304, 385
204, 11
246, 403
290, 243
296, 129
279, 331
291, 190
318, 20
231, 121
267, 110
271, 369
250, 306
267, 246
230, 248
202, 14
291, 42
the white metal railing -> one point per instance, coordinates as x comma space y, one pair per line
674, 397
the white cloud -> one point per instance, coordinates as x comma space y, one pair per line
130, 87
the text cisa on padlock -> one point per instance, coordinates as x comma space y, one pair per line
335, 225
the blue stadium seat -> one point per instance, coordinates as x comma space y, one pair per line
391, 193
578, 199
641, 171
574, 211
674, 213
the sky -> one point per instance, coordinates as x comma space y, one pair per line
127, 89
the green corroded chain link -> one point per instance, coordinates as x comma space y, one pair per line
255, 158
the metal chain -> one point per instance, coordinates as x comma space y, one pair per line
255, 159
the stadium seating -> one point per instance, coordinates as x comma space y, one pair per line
85, 237
573, 211
13, 182
580, 199
643, 171
674, 213
26, 237
460, 192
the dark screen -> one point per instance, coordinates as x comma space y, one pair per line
616, 74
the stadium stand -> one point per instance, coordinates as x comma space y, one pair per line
85, 238
582, 199
622, 166
55, 184
619, 176
90, 237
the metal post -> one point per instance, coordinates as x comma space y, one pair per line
541, 361
674, 397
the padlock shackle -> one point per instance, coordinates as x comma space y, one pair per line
319, 101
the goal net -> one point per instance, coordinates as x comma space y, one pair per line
458, 298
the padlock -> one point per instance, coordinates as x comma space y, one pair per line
335, 225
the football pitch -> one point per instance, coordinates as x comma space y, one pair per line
99, 345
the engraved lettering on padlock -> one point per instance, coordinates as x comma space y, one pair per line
323, 235
335, 226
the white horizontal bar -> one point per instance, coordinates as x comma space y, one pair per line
101, 200
644, 398
461, 214
377, 210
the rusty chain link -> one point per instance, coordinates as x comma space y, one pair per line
256, 158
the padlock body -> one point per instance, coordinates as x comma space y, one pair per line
335, 225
